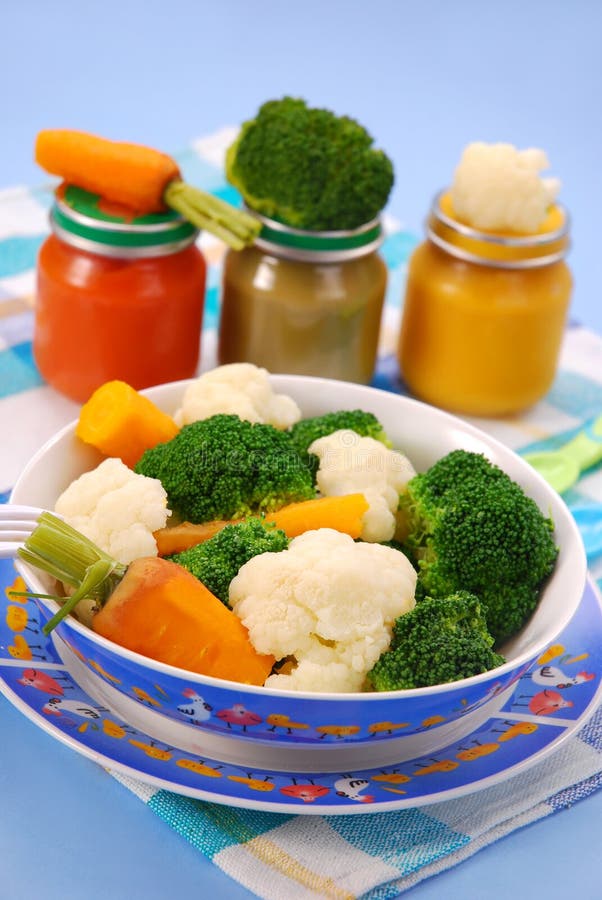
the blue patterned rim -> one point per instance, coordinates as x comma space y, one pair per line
545, 709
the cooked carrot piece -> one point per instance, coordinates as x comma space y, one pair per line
120, 422
343, 513
162, 611
187, 534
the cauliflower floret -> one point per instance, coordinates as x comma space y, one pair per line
117, 509
327, 601
238, 389
498, 188
352, 464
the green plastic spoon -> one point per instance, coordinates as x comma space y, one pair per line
561, 468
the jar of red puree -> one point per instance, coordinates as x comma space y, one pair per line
119, 296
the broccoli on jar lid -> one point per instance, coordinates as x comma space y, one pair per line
313, 280
309, 168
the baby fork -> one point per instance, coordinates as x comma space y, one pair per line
16, 524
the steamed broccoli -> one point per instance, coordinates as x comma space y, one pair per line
216, 561
227, 468
305, 432
471, 527
439, 641
308, 167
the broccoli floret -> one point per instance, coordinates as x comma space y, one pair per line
439, 641
227, 468
305, 432
216, 561
308, 167
472, 528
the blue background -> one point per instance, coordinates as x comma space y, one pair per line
425, 78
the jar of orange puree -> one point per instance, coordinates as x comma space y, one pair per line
488, 291
119, 296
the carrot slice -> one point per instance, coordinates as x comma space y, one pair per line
186, 534
120, 422
343, 513
162, 611
131, 174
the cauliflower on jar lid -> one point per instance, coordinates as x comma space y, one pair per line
499, 188
116, 509
240, 389
328, 602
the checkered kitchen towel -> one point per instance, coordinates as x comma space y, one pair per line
376, 855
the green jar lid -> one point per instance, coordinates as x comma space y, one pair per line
318, 246
92, 223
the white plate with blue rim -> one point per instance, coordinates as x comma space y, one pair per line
551, 702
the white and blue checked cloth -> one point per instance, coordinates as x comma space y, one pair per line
373, 856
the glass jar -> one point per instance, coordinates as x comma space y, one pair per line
118, 296
484, 314
305, 303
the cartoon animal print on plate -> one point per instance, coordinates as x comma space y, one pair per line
196, 710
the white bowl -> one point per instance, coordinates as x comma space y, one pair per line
336, 731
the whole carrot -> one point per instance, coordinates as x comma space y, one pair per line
162, 611
153, 606
141, 178
131, 174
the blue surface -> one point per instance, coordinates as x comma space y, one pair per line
425, 77
90, 836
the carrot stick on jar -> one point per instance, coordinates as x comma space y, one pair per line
141, 178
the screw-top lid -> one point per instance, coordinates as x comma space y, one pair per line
318, 246
93, 223
501, 251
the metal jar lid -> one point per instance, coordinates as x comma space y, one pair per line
500, 251
318, 246
91, 223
